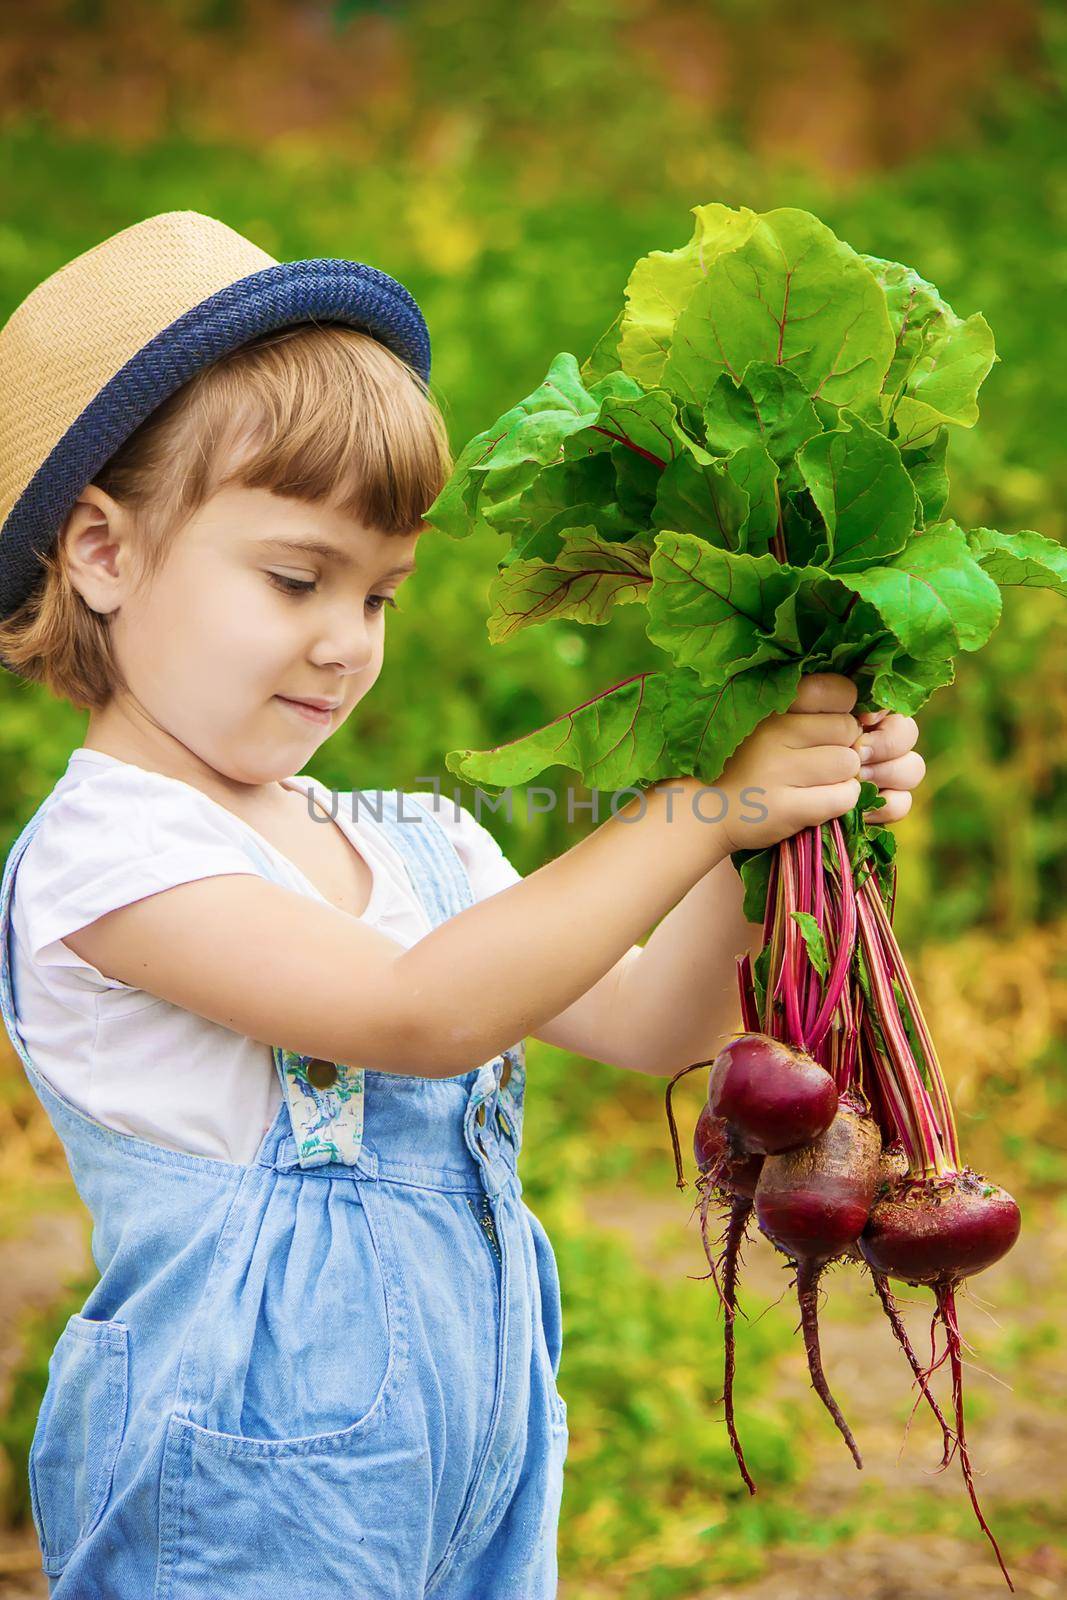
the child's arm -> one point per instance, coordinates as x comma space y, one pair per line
675, 999
280, 967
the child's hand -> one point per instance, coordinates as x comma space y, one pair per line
893, 761
800, 767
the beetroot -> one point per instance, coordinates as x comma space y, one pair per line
815, 1201
927, 1230
812, 1204
773, 1097
716, 1153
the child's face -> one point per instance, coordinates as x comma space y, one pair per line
233, 625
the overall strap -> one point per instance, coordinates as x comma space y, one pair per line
325, 1099
442, 881
437, 874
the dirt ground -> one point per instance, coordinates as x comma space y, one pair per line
1019, 1443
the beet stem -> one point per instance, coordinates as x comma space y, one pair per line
746, 986
808, 1273
846, 943
946, 1305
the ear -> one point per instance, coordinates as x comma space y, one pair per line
97, 541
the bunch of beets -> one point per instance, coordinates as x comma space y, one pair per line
830, 1120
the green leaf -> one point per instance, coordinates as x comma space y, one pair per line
612, 741
870, 845
500, 494
753, 471
662, 282
705, 728
791, 295
534, 431
827, 623
863, 493
604, 356
926, 469
900, 682
761, 977
454, 510
713, 610
933, 596
701, 500
754, 867
806, 539
498, 464
770, 407
814, 941
572, 494
637, 484
940, 361
643, 422
587, 579
1027, 559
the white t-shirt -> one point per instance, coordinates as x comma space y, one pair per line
115, 833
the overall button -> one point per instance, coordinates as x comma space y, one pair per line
321, 1074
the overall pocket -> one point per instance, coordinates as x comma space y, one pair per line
301, 1342
76, 1440
299, 1456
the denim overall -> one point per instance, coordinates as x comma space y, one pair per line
330, 1372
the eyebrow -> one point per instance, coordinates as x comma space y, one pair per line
329, 552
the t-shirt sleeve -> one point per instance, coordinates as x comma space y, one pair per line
114, 838
487, 866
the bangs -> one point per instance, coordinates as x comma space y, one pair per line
322, 413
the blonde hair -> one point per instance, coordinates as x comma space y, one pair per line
320, 412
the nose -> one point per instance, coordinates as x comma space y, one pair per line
348, 643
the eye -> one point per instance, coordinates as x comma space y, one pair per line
290, 585
386, 600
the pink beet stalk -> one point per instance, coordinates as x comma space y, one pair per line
935, 1222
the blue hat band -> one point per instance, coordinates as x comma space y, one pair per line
328, 290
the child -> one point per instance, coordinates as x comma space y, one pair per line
286, 1060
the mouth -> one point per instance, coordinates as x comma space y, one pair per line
321, 715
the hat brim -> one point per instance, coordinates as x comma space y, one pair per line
330, 289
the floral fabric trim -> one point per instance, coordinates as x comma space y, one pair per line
327, 1123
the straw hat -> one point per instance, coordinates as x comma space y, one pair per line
96, 347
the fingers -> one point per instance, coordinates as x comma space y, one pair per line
897, 805
803, 729
825, 764
830, 800
894, 736
825, 691
906, 772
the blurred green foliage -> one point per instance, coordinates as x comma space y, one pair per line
545, 163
